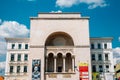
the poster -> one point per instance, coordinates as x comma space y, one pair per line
83, 70
36, 64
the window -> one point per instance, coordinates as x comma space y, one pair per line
18, 69
19, 57
92, 46
13, 46
26, 46
93, 68
107, 66
105, 46
93, 57
25, 68
11, 69
99, 46
106, 57
12, 57
100, 68
99, 57
19, 46
25, 57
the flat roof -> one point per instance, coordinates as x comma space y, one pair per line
101, 38
59, 13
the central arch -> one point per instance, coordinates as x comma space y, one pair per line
59, 39
59, 43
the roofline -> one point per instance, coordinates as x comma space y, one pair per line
59, 13
7, 39
32, 18
101, 38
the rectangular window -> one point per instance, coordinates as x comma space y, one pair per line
25, 68
18, 69
93, 57
106, 57
26, 57
100, 68
11, 69
26, 46
99, 46
105, 46
12, 57
107, 66
100, 57
19, 46
13, 46
19, 57
93, 68
92, 46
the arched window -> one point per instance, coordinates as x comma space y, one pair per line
50, 65
59, 62
68, 62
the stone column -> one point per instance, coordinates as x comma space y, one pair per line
55, 64
46, 63
73, 64
63, 63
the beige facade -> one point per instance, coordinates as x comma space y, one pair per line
61, 42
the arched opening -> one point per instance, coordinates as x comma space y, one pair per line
50, 65
59, 43
59, 39
68, 61
59, 62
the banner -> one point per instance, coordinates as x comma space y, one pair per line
83, 70
36, 64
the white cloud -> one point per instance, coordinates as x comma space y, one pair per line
66, 3
94, 3
13, 29
59, 11
2, 68
116, 55
119, 39
2, 65
91, 3
0, 21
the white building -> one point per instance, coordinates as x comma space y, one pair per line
58, 49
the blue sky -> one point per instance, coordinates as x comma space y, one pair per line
104, 17
104, 21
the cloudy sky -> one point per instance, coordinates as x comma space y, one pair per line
104, 18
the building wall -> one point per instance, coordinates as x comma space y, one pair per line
42, 27
14, 75
103, 51
76, 27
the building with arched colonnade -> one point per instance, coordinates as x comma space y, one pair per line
59, 48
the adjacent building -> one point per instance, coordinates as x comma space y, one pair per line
59, 48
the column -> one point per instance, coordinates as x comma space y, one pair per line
55, 64
46, 63
73, 64
64, 64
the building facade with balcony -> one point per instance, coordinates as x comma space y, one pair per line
59, 48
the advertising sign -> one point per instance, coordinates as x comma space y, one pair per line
83, 70
36, 64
